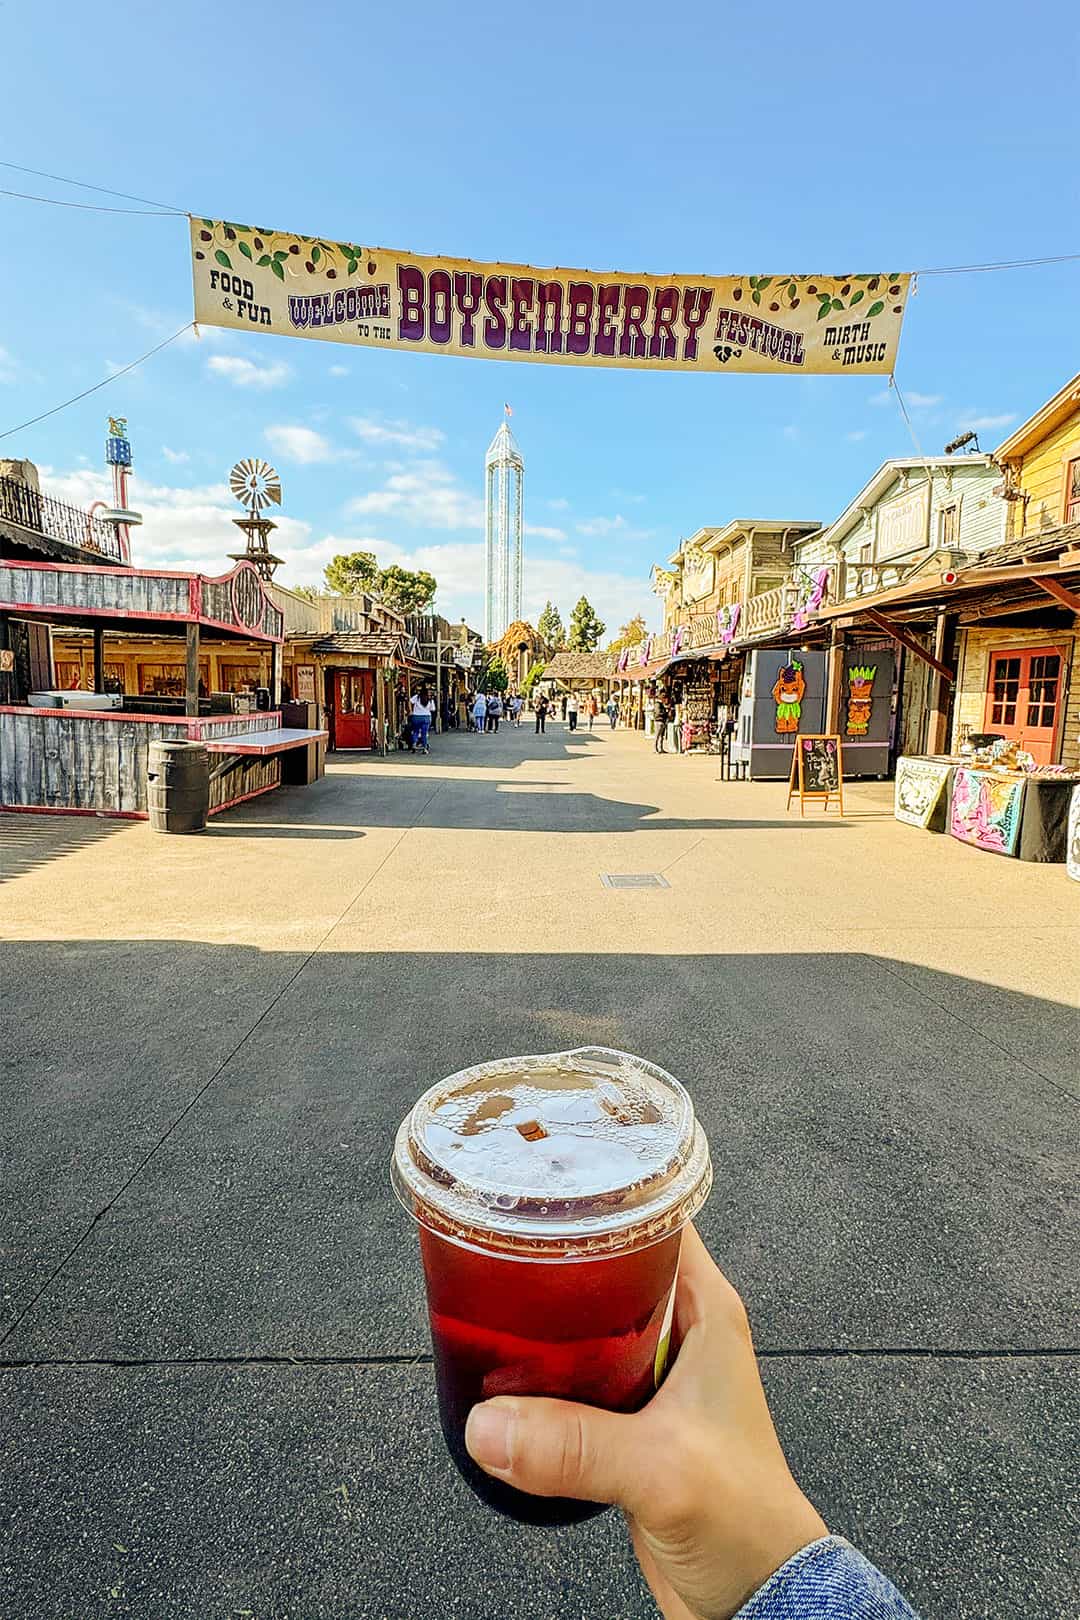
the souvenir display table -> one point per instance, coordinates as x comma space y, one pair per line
1072, 849
1019, 813
923, 786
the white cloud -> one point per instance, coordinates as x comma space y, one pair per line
301, 444
559, 505
977, 422
246, 374
339, 371
193, 528
7, 366
627, 496
177, 457
856, 436
912, 397
543, 533
598, 527
427, 494
402, 435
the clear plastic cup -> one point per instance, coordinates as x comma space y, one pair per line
550, 1193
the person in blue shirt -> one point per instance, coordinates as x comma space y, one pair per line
720, 1528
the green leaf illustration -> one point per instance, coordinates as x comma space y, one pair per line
209, 223
316, 255
756, 296
838, 303
351, 267
763, 282
278, 271
875, 309
265, 259
223, 258
245, 250
856, 297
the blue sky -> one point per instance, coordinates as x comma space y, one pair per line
695, 138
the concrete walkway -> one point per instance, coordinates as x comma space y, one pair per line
215, 1385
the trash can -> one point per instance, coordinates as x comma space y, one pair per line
178, 787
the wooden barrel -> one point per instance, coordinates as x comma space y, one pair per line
178, 786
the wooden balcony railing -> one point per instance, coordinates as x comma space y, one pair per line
769, 611
27, 508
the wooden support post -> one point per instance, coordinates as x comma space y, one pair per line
99, 658
380, 704
191, 676
275, 675
937, 731
835, 678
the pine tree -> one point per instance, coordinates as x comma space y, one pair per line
549, 626
585, 628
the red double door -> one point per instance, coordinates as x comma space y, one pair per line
1023, 702
354, 697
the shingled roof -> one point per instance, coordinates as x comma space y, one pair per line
578, 666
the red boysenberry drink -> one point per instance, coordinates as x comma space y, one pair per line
550, 1193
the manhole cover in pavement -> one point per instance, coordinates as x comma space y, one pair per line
634, 880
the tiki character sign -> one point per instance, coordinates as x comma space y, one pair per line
788, 693
860, 698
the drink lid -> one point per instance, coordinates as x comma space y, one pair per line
568, 1155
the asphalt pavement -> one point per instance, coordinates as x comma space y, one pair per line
215, 1382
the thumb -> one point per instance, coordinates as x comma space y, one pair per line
557, 1448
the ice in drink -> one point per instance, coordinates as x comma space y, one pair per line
550, 1194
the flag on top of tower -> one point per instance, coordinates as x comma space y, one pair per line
507, 409
303, 286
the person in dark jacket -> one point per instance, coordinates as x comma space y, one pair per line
541, 714
661, 717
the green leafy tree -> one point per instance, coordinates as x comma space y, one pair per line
308, 592
496, 677
534, 674
352, 573
405, 591
631, 635
549, 626
585, 628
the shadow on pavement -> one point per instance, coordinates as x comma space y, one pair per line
28, 841
198, 1138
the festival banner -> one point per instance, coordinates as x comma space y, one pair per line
301, 286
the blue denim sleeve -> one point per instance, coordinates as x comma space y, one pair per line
828, 1580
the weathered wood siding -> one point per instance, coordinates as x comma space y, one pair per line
82, 762
1042, 478
108, 589
251, 775
77, 762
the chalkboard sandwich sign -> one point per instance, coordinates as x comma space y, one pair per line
817, 770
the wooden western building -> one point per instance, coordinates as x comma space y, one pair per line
138, 651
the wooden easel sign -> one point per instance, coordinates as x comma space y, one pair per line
817, 770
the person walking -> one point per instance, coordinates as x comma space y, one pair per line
612, 710
420, 718
479, 712
661, 717
572, 711
562, 706
592, 708
541, 714
517, 703
494, 711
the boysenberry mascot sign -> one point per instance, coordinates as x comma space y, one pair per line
302, 286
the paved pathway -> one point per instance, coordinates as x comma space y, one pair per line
215, 1396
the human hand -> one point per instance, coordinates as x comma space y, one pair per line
711, 1504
